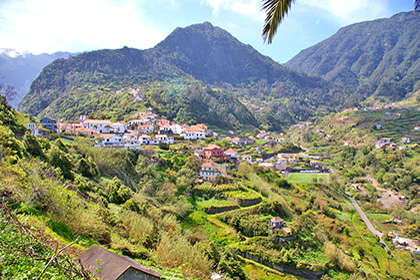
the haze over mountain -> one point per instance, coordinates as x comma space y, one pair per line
199, 52
378, 59
19, 69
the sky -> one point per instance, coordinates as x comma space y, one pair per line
47, 26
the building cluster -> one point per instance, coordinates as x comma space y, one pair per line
144, 129
386, 142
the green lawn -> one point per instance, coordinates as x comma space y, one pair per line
308, 177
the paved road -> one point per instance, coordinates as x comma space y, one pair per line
366, 220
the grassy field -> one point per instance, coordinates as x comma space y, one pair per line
379, 217
308, 177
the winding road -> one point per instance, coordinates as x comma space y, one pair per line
366, 220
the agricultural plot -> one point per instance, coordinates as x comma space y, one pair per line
309, 178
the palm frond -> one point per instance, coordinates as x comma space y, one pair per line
416, 5
275, 11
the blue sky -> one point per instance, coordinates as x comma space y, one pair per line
47, 26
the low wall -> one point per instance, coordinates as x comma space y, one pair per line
305, 273
215, 210
245, 202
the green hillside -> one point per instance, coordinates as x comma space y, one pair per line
149, 206
376, 61
89, 83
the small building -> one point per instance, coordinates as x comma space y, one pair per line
144, 139
268, 165
49, 123
110, 139
163, 138
208, 171
405, 140
104, 126
276, 222
177, 129
110, 266
195, 132
130, 138
417, 127
247, 158
85, 131
382, 142
145, 128
34, 129
214, 151
231, 153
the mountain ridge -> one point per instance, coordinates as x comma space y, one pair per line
375, 58
20, 68
198, 53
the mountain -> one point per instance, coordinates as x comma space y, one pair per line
19, 69
199, 53
376, 59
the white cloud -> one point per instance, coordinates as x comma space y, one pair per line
349, 11
51, 25
249, 8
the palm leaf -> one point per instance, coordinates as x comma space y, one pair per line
275, 12
416, 5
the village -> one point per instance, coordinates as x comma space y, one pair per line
146, 129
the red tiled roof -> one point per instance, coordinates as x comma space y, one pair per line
208, 164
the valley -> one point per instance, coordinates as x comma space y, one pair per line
200, 158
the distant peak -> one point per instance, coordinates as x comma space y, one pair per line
202, 26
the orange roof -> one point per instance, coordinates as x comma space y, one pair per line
212, 146
230, 150
98, 121
144, 126
107, 135
208, 164
145, 136
87, 130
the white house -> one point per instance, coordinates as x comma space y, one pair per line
34, 129
194, 133
177, 129
130, 138
231, 153
405, 140
104, 126
385, 141
144, 139
208, 171
163, 138
145, 128
110, 139
417, 127
276, 222
247, 158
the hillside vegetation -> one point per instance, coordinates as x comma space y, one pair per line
147, 205
377, 61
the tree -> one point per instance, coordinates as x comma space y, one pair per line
276, 10
8, 91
